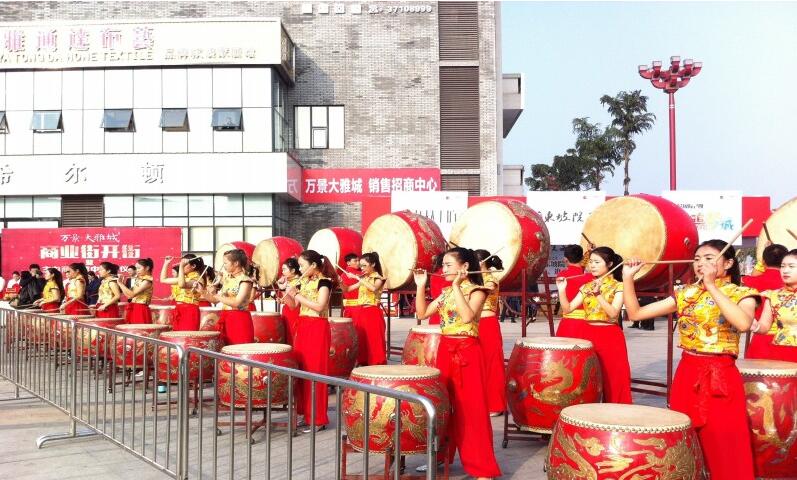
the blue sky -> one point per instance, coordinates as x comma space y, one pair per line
735, 121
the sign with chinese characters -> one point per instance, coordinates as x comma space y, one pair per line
565, 213
717, 213
58, 247
126, 43
442, 207
331, 185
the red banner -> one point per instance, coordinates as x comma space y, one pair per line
58, 247
329, 185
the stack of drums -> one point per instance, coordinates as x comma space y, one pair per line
162, 314
274, 353
612, 441
382, 411
421, 346
269, 255
91, 342
130, 353
269, 327
169, 359
343, 348
771, 390
547, 374
335, 243
209, 318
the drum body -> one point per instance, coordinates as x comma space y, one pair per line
218, 259
421, 346
36, 328
404, 241
343, 348
62, 331
613, 441
209, 318
91, 342
274, 353
511, 230
130, 353
269, 327
645, 227
778, 224
407, 378
335, 243
771, 390
169, 360
547, 374
162, 314
269, 255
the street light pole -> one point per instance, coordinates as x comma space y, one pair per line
670, 81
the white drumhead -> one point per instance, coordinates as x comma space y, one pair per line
426, 329
161, 307
339, 320
142, 326
266, 314
767, 368
625, 418
250, 348
393, 239
783, 219
326, 242
395, 372
554, 343
186, 334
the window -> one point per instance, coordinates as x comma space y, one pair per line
47, 121
118, 120
174, 119
3, 123
319, 127
228, 119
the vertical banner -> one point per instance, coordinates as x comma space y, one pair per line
717, 213
565, 213
442, 207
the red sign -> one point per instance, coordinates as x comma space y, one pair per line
331, 185
58, 247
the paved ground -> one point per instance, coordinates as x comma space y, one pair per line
22, 421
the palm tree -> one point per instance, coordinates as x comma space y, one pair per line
598, 148
630, 116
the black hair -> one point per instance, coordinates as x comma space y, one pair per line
146, 263
92, 274
611, 259
493, 260
15, 272
349, 257
773, 255
437, 261
197, 262
730, 254
131, 266
176, 268
293, 265
34, 265
238, 256
373, 259
574, 253
466, 255
111, 268
790, 253
322, 264
59, 280
80, 268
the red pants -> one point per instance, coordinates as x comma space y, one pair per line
138, 313
566, 326
111, 311
350, 311
252, 307
761, 347
710, 390
434, 319
370, 326
236, 327
609, 343
291, 316
50, 306
492, 346
204, 303
77, 308
186, 317
459, 360
313, 339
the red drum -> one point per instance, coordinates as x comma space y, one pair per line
343, 347
130, 352
421, 346
274, 353
62, 331
407, 378
646, 227
162, 314
122, 309
603, 441
547, 374
209, 318
509, 229
335, 243
771, 390
269, 254
218, 259
404, 241
269, 327
778, 224
36, 328
91, 342
169, 361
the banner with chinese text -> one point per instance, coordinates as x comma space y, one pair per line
565, 213
330, 185
442, 207
717, 213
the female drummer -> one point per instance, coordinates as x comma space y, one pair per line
109, 292
437, 283
236, 289
140, 292
351, 295
780, 314
459, 359
53, 291
368, 319
313, 337
707, 385
190, 275
490, 339
290, 276
769, 279
602, 299
75, 303
576, 278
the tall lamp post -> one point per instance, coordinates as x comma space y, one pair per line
670, 80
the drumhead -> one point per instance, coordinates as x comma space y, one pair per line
339, 320
72, 317
395, 372
767, 368
616, 417
143, 326
161, 307
326, 242
393, 239
554, 343
210, 309
250, 348
427, 329
782, 219
266, 314
100, 320
188, 334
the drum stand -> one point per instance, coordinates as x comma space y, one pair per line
346, 447
256, 425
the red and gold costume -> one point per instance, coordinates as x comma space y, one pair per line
459, 359
104, 297
138, 305
783, 304
186, 301
437, 283
313, 339
291, 315
492, 345
78, 306
51, 297
761, 344
350, 299
370, 324
576, 278
707, 385
235, 323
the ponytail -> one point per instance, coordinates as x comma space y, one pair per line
323, 265
80, 268
59, 280
146, 263
611, 259
493, 261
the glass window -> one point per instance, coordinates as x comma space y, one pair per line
148, 222
255, 204
148, 206
45, 121
3, 123
175, 221
200, 205
258, 221
256, 234
319, 117
229, 220
119, 222
174, 119
118, 120
2, 207
19, 207
184, 237
302, 127
200, 221
47, 206
229, 234
228, 205
200, 238
34, 224
320, 138
118, 206
175, 205
336, 127
227, 119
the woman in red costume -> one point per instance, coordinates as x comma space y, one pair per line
768, 279
53, 291
75, 303
780, 314
351, 295
109, 293
368, 319
236, 290
140, 292
290, 277
490, 339
576, 278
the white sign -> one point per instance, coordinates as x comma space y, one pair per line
717, 214
556, 260
442, 207
565, 213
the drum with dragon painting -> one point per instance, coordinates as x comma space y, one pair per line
274, 353
421, 346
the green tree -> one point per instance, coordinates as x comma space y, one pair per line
630, 116
566, 172
597, 148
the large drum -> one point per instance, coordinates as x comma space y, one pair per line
407, 378
130, 353
169, 360
421, 346
218, 259
645, 227
269, 255
783, 219
209, 318
91, 342
274, 353
612, 441
343, 348
511, 230
62, 331
771, 390
404, 241
547, 374
36, 327
162, 314
269, 327
335, 243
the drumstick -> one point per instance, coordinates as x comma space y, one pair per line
766, 232
792, 234
667, 262
452, 243
447, 274
730, 243
610, 271
200, 276
494, 254
591, 245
